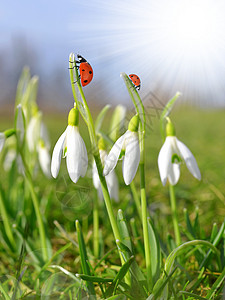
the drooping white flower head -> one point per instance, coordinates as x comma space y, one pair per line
111, 179
170, 156
33, 131
71, 145
129, 143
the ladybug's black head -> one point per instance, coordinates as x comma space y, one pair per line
80, 58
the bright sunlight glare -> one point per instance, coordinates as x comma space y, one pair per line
172, 45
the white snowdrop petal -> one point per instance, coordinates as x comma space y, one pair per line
57, 155
44, 135
44, 160
95, 177
164, 160
114, 154
2, 140
174, 173
131, 159
113, 185
189, 160
74, 153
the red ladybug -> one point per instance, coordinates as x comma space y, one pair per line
136, 81
86, 71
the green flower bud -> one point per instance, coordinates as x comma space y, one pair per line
73, 117
134, 123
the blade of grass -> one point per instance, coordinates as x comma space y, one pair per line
155, 251
217, 239
216, 285
84, 258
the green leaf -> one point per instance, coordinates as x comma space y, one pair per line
117, 122
122, 225
84, 258
160, 285
165, 113
172, 256
155, 252
100, 117
214, 232
57, 253
119, 276
136, 235
22, 85
216, 285
216, 241
188, 223
94, 278
4, 293
139, 283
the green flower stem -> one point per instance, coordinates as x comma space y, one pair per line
143, 196
174, 215
86, 114
96, 228
37, 209
141, 111
107, 198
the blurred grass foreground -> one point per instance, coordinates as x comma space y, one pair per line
30, 198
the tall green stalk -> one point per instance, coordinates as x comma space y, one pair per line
174, 215
141, 111
86, 114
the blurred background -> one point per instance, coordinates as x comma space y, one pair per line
172, 45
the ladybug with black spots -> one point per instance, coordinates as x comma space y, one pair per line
136, 81
86, 71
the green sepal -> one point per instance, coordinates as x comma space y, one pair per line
134, 123
170, 129
73, 117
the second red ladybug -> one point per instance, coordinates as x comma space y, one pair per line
86, 71
136, 81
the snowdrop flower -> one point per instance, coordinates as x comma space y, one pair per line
127, 144
38, 141
170, 156
72, 146
33, 131
111, 178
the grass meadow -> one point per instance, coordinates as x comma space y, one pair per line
197, 272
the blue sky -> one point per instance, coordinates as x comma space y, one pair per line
153, 39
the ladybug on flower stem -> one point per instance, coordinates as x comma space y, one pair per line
136, 81
86, 71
